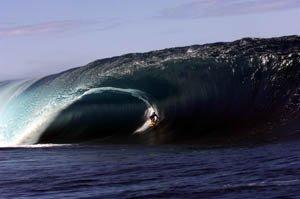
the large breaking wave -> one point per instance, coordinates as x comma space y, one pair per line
225, 91
37, 115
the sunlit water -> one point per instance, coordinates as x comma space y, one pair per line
54, 171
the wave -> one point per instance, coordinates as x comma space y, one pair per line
10, 90
43, 117
247, 89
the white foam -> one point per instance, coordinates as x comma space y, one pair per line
36, 146
148, 122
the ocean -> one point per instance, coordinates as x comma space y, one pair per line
136, 171
89, 132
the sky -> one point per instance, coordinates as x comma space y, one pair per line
41, 37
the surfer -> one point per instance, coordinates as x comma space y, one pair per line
154, 119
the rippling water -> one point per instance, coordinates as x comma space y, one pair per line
51, 171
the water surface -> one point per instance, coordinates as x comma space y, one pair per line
114, 171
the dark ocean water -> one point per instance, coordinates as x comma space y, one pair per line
73, 171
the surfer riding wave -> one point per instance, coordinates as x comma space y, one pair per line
154, 119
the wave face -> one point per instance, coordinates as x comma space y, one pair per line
247, 89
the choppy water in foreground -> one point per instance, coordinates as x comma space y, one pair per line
268, 171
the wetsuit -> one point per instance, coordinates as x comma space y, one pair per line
154, 117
